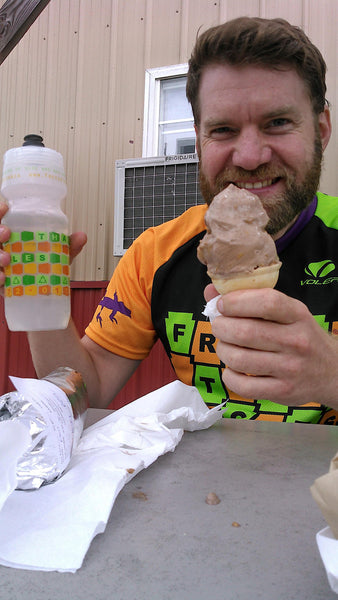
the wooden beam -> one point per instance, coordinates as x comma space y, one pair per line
16, 17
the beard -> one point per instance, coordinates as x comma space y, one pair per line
281, 208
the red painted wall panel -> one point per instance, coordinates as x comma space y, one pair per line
15, 358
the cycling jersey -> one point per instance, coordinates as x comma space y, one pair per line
157, 289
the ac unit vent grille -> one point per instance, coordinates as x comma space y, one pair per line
151, 191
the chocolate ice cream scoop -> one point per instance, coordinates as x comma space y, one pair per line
238, 251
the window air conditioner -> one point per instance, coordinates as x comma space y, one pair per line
150, 191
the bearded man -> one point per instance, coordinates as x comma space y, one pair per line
257, 90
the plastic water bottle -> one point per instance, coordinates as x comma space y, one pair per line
37, 285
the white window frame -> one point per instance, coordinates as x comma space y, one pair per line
153, 79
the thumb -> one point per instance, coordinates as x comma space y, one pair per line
77, 241
210, 292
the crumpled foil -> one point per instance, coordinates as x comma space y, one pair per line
39, 464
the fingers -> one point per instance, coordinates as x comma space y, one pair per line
4, 230
4, 234
242, 360
247, 333
276, 390
242, 340
77, 241
265, 303
271, 344
3, 208
210, 292
276, 376
4, 237
4, 261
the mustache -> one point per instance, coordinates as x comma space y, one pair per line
240, 175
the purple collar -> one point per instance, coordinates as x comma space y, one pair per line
297, 227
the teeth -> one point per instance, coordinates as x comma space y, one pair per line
254, 186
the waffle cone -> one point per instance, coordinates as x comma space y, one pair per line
262, 277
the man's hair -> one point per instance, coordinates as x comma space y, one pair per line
269, 43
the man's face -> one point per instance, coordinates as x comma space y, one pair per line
257, 130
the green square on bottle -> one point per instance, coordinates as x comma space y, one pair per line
27, 257
27, 236
15, 237
55, 280
28, 279
54, 237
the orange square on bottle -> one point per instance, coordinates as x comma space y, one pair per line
18, 290
16, 247
43, 246
66, 290
44, 268
17, 269
45, 290
65, 270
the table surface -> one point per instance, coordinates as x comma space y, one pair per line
169, 544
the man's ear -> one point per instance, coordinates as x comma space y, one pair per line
325, 127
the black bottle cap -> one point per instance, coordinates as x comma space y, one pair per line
33, 140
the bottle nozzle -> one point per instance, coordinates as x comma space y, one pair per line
33, 140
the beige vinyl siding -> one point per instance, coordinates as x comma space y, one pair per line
77, 77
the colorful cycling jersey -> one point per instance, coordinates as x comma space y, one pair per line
157, 291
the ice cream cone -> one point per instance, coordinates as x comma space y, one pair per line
262, 277
236, 248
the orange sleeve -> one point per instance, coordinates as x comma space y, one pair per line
122, 322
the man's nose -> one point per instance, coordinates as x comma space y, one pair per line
251, 150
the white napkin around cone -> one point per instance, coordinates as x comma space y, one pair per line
210, 310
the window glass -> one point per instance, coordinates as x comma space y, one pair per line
173, 101
176, 133
168, 119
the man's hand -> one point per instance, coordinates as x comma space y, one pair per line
274, 349
77, 242
4, 256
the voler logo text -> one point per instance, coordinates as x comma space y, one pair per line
318, 272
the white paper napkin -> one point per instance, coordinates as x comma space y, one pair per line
328, 549
210, 310
50, 529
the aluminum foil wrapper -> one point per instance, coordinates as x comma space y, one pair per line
53, 409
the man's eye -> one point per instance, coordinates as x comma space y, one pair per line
222, 130
279, 122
